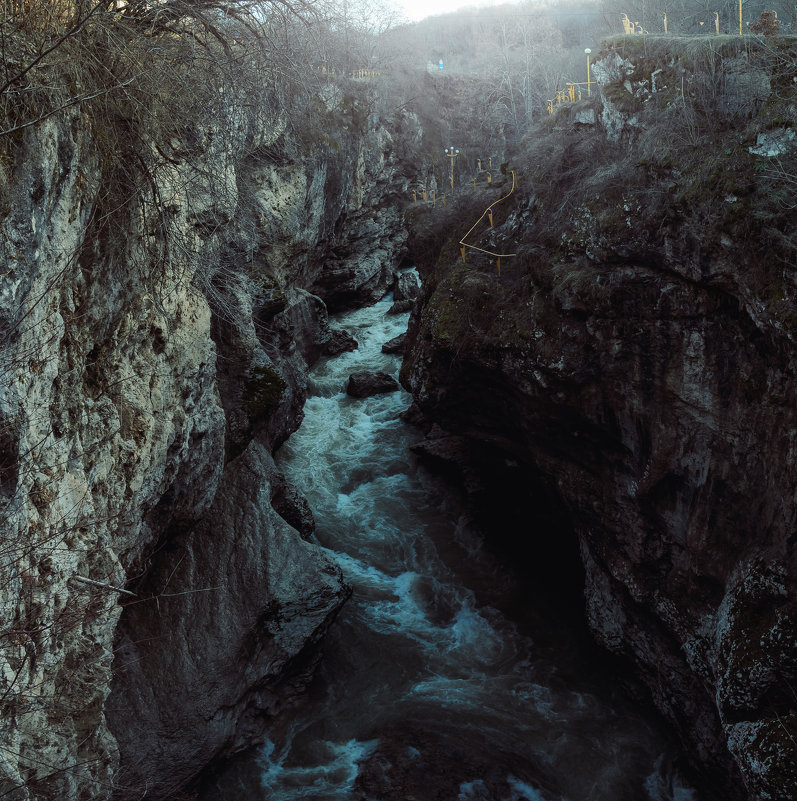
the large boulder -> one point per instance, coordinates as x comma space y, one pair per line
340, 341
363, 385
401, 306
406, 286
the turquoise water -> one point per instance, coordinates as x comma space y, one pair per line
428, 689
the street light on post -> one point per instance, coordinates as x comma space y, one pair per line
589, 92
452, 154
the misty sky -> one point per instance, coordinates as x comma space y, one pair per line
418, 9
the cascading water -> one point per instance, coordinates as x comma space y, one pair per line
424, 690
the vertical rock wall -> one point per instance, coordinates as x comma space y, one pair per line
151, 357
638, 356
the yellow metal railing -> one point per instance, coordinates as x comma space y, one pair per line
488, 212
629, 28
429, 197
570, 95
635, 27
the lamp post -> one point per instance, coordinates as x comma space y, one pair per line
588, 51
452, 154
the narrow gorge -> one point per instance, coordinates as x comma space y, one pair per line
556, 564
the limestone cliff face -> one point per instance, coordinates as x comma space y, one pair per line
637, 358
152, 356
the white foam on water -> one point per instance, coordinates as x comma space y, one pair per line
664, 784
447, 691
473, 791
408, 605
330, 777
433, 654
369, 581
493, 696
521, 791
374, 501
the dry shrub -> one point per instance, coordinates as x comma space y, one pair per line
767, 24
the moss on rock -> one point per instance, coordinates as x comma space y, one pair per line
263, 392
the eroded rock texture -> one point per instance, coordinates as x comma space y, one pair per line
649, 404
232, 619
151, 358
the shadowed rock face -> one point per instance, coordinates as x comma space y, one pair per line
638, 356
235, 613
369, 236
659, 412
648, 404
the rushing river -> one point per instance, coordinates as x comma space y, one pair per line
430, 688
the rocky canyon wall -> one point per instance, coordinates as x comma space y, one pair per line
159, 598
637, 355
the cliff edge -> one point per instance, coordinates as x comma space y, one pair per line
166, 237
636, 356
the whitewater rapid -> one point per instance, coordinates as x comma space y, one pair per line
425, 691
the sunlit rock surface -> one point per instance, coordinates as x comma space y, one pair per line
143, 386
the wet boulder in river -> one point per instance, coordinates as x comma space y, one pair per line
395, 345
406, 286
401, 306
340, 341
363, 385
